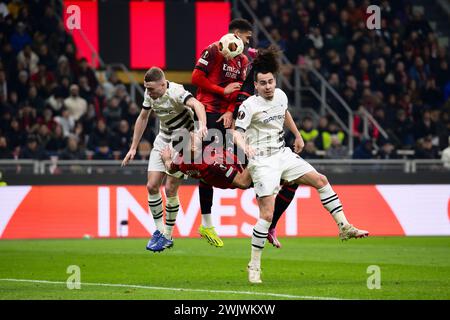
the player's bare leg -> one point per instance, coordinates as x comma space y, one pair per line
260, 230
154, 181
331, 202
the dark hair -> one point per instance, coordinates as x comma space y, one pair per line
266, 61
153, 74
239, 24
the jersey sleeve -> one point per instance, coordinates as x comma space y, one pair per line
147, 104
244, 116
206, 61
180, 94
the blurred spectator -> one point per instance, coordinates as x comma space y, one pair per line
86, 91
66, 121
76, 105
20, 38
307, 130
322, 128
112, 113
333, 131
99, 101
364, 150
35, 100
43, 136
336, 149
132, 113
403, 130
27, 117
387, 151
32, 150
122, 96
309, 152
425, 149
123, 137
84, 70
16, 135
103, 152
44, 80
63, 69
22, 85
144, 149
57, 141
5, 152
72, 151
28, 59
432, 97
425, 127
100, 134
47, 119
446, 155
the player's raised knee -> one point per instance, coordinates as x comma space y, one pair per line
152, 188
322, 181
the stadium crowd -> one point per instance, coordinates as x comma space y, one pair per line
399, 73
52, 104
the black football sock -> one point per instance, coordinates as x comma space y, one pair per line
282, 202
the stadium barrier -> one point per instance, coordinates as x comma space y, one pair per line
29, 212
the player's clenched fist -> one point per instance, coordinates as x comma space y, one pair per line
202, 130
299, 144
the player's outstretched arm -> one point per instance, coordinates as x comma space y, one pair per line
199, 109
290, 124
139, 128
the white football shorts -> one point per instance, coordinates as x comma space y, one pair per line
267, 171
156, 163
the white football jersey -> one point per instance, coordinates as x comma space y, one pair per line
171, 110
263, 121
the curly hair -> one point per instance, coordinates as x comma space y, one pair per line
266, 61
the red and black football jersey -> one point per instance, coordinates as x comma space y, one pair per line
218, 168
221, 72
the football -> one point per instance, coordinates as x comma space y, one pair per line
231, 46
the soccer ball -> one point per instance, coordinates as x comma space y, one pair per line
231, 46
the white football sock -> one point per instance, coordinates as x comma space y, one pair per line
155, 205
331, 202
172, 206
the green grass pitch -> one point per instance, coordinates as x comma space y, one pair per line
314, 268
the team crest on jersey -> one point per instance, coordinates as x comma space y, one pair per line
241, 115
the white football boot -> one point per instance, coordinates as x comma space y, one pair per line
254, 274
349, 231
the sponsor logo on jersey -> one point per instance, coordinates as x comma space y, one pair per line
241, 115
203, 61
231, 69
278, 117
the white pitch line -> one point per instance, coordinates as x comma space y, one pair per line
279, 295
